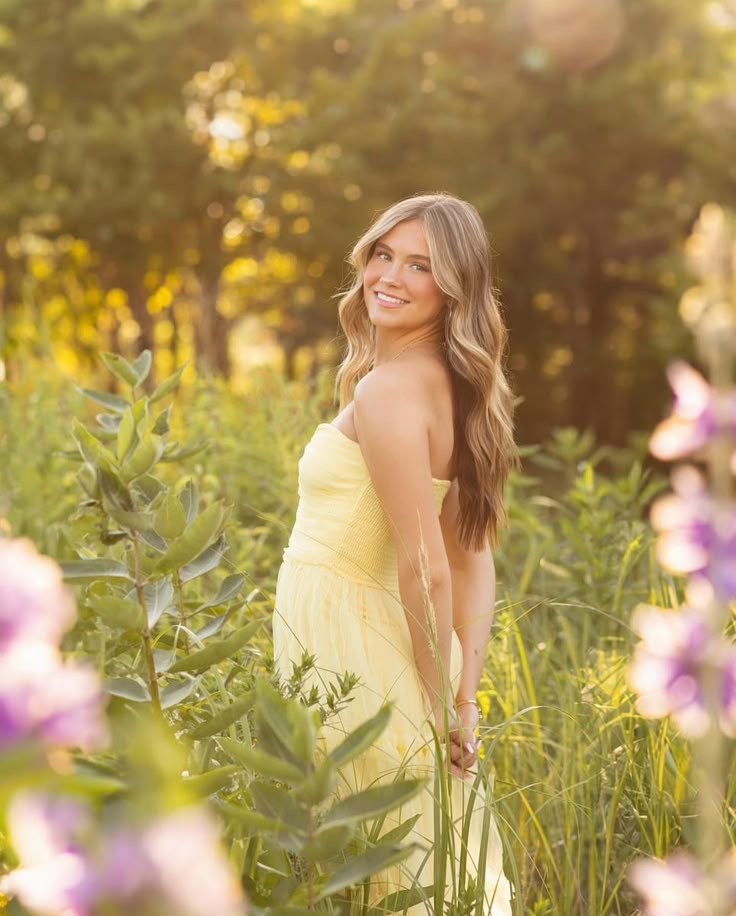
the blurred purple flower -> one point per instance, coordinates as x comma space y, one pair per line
679, 886
42, 698
668, 664
698, 536
70, 868
34, 603
698, 414
49, 835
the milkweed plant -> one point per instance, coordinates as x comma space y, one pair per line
685, 663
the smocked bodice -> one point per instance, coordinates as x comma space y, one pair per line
340, 522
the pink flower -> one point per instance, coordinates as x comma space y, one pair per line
680, 886
44, 699
699, 413
698, 536
71, 867
668, 665
34, 603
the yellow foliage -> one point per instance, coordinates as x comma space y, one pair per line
160, 300
300, 225
163, 332
116, 299
129, 331
54, 307
65, 357
240, 270
79, 251
87, 334
298, 160
40, 268
280, 265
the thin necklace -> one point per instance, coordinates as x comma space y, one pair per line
413, 343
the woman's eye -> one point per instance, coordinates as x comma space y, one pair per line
419, 267
382, 254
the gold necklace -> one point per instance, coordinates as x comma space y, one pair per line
413, 343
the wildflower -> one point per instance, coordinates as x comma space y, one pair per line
699, 413
668, 665
43, 698
34, 603
71, 867
680, 886
698, 536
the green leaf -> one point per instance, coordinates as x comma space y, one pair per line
399, 901
207, 561
212, 781
195, 539
280, 722
365, 865
258, 822
277, 803
120, 367
363, 737
128, 689
229, 587
318, 787
93, 451
177, 692
190, 500
217, 651
142, 458
83, 570
126, 432
120, 613
403, 830
225, 718
111, 401
161, 426
327, 843
372, 802
170, 519
158, 596
142, 366
167, 385
265, 764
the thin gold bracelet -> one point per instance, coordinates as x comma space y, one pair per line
459, 703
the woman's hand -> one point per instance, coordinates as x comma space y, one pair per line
460, 741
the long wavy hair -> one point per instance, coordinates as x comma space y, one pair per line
475, 342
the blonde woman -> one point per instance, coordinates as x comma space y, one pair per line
388, 572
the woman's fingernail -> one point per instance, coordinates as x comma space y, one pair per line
469, 747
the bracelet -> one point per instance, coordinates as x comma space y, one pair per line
475, 703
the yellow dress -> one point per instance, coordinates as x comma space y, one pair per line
337, 596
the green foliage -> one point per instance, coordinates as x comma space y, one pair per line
290, 792
582, 783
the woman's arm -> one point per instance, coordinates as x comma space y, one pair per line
473, 595
391, 412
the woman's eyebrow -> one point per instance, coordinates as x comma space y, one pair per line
419, 257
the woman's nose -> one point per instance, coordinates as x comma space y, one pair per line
391, 272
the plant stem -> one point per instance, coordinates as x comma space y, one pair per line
146, 632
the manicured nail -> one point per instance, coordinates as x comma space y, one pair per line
469, 747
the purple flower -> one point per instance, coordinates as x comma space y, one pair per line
34, 603
44, 699
698, 536
70, 867
668, 665
699, 413
680, 886
49, 835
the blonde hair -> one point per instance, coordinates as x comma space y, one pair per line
475, 347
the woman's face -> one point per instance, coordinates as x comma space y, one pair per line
398, 285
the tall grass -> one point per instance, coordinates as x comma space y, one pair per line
582, 783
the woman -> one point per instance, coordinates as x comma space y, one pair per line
388, 572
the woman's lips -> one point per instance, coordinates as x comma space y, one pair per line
388, 301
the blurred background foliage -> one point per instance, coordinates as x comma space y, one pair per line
188, 175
